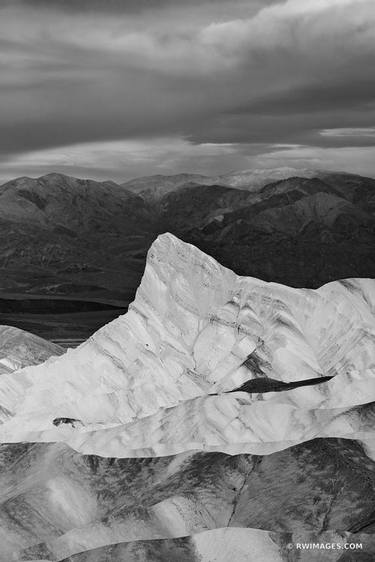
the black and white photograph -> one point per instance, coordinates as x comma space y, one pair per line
187, 280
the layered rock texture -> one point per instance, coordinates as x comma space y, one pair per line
143, 444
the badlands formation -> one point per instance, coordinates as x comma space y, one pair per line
131, 447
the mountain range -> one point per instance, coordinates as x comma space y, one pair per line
83, 243
154, 187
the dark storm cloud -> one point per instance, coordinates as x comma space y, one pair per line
123, 6
301, 126
248, 73
312, 98
100, 5
103, 5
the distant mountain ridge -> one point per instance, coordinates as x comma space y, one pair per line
87, 241
155, 187
60, 199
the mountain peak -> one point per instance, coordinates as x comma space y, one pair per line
56, 176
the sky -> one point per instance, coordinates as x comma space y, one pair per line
115, 89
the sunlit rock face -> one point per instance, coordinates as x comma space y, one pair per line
19, 349
137, 446
196, 329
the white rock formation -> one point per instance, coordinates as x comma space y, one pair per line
194, 329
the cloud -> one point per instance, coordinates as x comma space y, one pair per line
349, 159
121, 160
120, 6
124, 160
349, 132
208, 73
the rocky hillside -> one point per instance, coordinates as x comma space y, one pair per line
70, 235
303, 232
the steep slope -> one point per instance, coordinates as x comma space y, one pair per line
19, 349
144, 457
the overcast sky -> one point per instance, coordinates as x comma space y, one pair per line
116, 89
